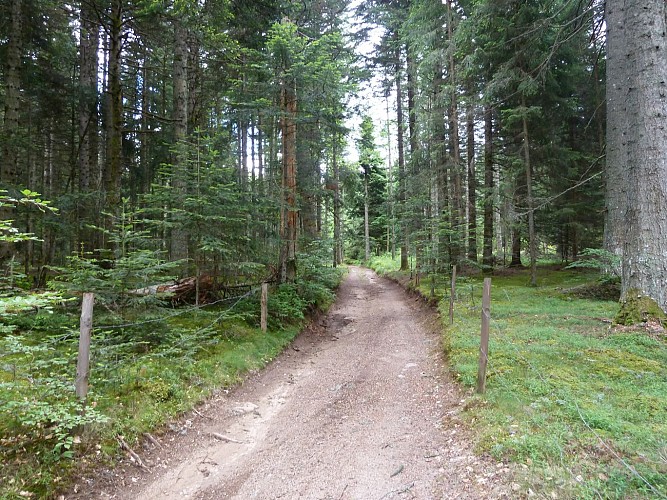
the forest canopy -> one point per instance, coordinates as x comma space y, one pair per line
221, 131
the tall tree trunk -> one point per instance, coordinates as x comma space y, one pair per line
441, 195
401, 162
113, 170
472, 185
144, 151
617, 157
391, 226
260, 154
367, 236
417, 214
337, 254
457, 198
487, 256
243, 151
179, 236
289, 219
89, 36
9, 159
532, 242
637, 67
308, 159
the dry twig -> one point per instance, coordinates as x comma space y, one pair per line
227, 439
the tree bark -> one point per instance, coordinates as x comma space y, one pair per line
337, 253
457, 194
637, 107
616, 140
417, 213
487, 257
401, 162
532, 243
472, 185
367, 236
308, 159
289, 219
113, 170
516, 248
9, 166
179, 236
89, 36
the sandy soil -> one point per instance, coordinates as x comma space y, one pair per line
360, 407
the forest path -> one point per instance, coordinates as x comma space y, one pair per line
360, 407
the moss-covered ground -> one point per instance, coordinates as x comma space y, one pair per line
580, 407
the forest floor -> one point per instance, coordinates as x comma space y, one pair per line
360, 406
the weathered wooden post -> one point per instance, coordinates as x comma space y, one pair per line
484, 344
83, 361
264, 304
452, 296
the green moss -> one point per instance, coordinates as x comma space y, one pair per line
565, 396
638, 308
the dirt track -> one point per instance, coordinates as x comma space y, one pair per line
359, 408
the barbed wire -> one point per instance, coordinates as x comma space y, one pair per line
179, 312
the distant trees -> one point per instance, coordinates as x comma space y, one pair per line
210, 119
369, 195
527, 78
223, 123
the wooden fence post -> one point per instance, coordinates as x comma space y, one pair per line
264, 302
83, 361
452, 296
484, 344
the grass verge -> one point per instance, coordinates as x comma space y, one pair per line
580, 406
146, 369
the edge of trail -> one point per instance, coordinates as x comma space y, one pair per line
360, 405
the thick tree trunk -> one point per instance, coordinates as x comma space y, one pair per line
9, 159
487, 257
516, 248
144, 150
289, 219
179, 236
308, 159
417, 213
616, 140
391, 226
89, 36
637, 107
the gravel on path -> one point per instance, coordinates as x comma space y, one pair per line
359, 407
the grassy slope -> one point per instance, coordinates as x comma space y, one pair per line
583, 409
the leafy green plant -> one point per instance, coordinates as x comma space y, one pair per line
38, 397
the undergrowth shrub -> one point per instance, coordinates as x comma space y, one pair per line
37, 398
285, 306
